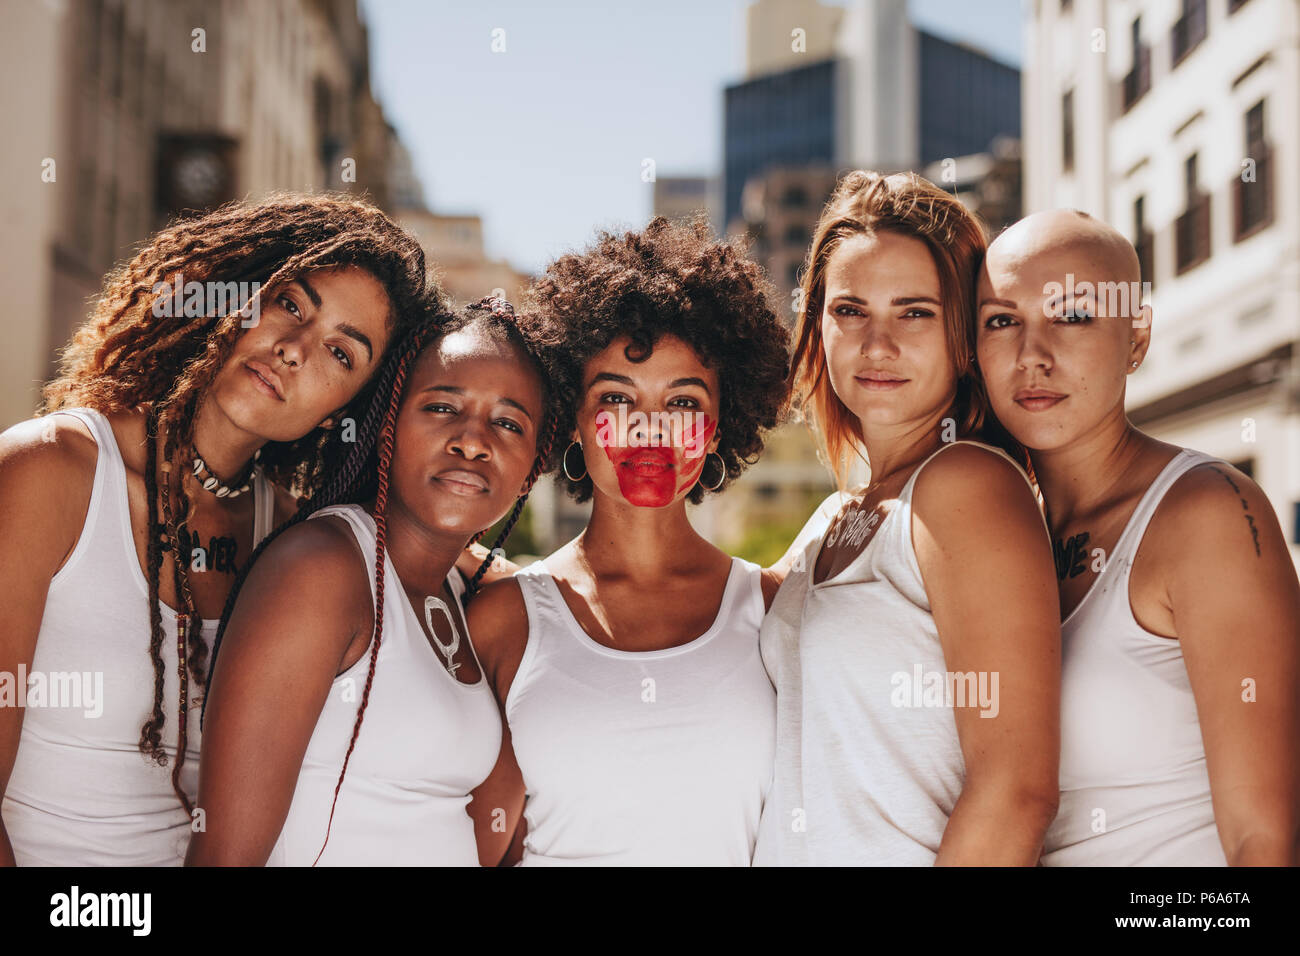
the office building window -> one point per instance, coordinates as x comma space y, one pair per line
1252, 188
1144, 241
1189, 29
1067, 131
1192, 228
1138, 79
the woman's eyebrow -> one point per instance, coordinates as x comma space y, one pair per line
352, 331
513, 404
609, 377
624, 380
897, 300
682, 382
457, 390
1004, 303
309, 291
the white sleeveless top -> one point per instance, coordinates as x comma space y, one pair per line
1134, 786
81, 792
427, 740
867, 768
642, 757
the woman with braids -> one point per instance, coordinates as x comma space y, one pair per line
349, 721
172, 429
627, 662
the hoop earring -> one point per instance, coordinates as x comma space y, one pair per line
722, 465
564, 462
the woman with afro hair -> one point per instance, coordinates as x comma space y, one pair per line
627, 662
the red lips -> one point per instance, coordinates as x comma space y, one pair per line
646, 476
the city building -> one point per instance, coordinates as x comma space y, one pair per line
987, 183
1177, 122
683, 197
784, 119
453, 245
869, 89
133, 112
785, 34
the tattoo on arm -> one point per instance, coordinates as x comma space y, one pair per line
1250, 519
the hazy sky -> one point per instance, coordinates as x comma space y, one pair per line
545, 141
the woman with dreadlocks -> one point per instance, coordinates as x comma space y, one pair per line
173, 440
288, 777
627, 662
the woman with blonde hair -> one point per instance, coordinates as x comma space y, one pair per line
914, 643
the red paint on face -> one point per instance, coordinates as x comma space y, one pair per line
647, 474
697, 436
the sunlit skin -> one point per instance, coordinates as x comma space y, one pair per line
307, 348
1056, 367
299, 344
1212, 570
659, 460
976, 532
639, 577
465, 440
647, 468
883, 334
314, 345
887, 358
461, 452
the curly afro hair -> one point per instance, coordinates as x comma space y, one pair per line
668, 279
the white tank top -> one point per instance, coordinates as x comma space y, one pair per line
863, 775
1134, 786
81, 792
427, 740
642, 758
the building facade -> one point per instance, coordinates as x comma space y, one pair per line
1178, 122
881, 94
136, 111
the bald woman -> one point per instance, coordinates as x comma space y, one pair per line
1180, 729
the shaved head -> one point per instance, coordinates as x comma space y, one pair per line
1100, 251
1060, 325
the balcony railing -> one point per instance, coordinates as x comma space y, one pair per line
1138, 80
1252, 202
1188, 32
1192, 234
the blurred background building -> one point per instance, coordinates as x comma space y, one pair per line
683, 197
133, 112
1175, 120
1178, 122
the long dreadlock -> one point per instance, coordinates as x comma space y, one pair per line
498, 318
124, 357
348, 480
